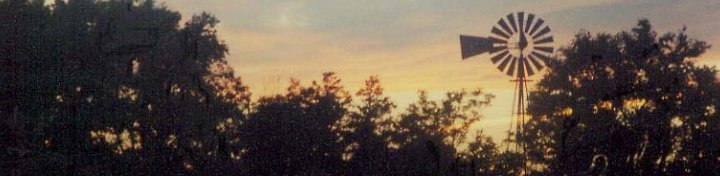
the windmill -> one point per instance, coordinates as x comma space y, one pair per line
520, 47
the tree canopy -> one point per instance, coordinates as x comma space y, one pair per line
84, 79
633, 103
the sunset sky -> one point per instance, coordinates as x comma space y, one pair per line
413, 44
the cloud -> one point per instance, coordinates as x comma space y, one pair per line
289, 15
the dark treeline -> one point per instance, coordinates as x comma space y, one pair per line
121, 87
118, 87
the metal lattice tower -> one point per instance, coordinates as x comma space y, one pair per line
519, 46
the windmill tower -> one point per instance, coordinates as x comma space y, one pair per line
519, 46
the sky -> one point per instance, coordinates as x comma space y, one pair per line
413, 44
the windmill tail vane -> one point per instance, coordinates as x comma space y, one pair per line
472, 46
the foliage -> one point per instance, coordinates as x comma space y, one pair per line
111, 86
626, 104
429, 132
295, 134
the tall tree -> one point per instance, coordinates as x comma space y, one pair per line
626, 104
366, 131
22, 56
103, 87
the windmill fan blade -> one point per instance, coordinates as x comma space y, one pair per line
545, 40
546, 49
497, 31
511, 69
511, 19
497, 40
528, 68
535, 62
471, 46
530, 19
521, 21
544, 58
536, 26
497, 57
498, 48
542, 32
505, 27
504, 63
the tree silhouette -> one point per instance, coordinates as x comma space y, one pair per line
366, 131
626, 104
110, 86
297, 134
429, 132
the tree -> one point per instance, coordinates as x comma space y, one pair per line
366, 132
103, 87
626, 104
297, 133
429, 132
486, 158
21, 57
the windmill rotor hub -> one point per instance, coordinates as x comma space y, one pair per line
520, 48
522, 43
